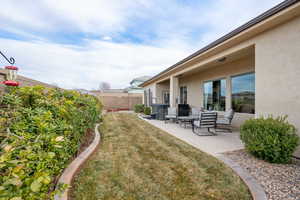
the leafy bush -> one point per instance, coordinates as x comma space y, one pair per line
40, 131
270, 139
139, 108
147, 110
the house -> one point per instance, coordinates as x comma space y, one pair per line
255, 70
134, 85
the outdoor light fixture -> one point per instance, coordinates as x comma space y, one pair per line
11, 77
222, 59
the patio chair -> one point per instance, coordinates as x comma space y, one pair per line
171, 115
224, 123
206, 120
183, 110
185, 120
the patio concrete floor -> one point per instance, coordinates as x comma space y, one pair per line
213, 145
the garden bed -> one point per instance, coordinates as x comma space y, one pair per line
280, 181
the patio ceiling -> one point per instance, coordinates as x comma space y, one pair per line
243, 53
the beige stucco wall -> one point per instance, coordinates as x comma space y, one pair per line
278, 72
152, 88
160, 88
157, 90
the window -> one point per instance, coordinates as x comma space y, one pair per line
243, 93
215, 95
183, 95
166, 97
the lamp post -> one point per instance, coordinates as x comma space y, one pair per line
11, 78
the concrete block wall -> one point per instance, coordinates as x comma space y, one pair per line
120, 100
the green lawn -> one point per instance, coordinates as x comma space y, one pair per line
137, 161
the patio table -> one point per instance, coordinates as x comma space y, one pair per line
187, 120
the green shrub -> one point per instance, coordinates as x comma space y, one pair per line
147, 110
139, 108
40, 131
270, 139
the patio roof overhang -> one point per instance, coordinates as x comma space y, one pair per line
214, 62
271, 18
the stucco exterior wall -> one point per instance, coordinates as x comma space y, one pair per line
152, 88
278, 72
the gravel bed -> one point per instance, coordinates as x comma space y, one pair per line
280, 182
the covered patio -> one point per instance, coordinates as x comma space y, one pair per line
222, 83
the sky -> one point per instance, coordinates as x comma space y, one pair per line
81, 43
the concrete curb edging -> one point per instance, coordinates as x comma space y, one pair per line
70, 171
255, 188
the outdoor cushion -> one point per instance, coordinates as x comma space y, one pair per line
229, 114
223, 121
172, 112
197, 123
170, 116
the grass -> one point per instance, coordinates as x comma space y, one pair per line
137, 161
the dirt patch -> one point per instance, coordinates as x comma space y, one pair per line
86, 141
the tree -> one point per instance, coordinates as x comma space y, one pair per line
104, 86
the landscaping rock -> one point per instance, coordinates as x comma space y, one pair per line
280, 181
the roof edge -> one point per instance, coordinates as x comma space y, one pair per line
269, 13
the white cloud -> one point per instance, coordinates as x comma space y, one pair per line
89, 16
170, 30
85, 67
106, 38
225, 15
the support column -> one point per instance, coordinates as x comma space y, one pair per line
144, 97
173, 91
228, 93
154, 94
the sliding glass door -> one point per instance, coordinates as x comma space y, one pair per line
215, 95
